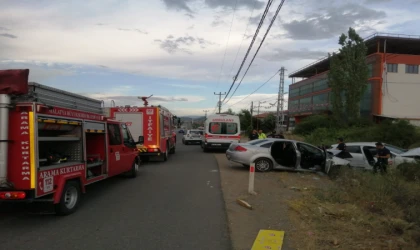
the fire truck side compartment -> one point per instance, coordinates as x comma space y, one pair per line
96, 158
62, 141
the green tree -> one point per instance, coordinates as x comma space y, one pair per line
348, 76
230, 112
269, 123
245, 119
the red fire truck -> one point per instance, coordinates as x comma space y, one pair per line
153, 126
53, 143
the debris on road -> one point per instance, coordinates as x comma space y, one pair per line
244, 204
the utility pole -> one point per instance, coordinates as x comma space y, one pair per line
280, 102
205, 111
252, 118
219, 104
258, 111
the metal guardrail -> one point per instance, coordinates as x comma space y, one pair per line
378, 34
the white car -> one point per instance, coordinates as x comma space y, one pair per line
192, 136
363, 154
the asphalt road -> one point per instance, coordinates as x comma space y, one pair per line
176, 204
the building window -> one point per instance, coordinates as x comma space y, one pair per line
320, 85
294, 92
392, 67
411, 69
293, 105
305, 104
320, 102
306, 89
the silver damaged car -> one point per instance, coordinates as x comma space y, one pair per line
271, 153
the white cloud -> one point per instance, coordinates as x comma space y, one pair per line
121, 98
157, 39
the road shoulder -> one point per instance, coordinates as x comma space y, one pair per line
270, 205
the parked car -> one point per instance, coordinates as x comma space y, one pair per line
181, 131
363, 154
272, 153
192, 136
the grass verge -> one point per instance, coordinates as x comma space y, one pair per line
360, 210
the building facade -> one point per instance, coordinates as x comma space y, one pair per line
393, 87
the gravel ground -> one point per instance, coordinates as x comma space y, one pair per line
270, 207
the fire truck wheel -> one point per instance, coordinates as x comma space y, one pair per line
70, 199
166, 154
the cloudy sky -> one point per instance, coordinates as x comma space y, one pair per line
181, 51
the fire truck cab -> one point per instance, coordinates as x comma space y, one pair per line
53, 143
153, 126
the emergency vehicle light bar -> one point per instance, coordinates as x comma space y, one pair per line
95, 131
65, 122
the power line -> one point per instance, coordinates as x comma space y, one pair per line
259, 47
243, 38
227, 42
250, 46
262, 85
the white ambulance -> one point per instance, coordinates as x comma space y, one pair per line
220, 131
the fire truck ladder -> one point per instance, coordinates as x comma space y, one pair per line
50, 96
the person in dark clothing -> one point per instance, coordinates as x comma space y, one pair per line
253, 135
275, 135
341, 145
272, 135
383, 154
280, 135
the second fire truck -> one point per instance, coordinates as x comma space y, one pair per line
153, 126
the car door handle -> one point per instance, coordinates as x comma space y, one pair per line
111, 150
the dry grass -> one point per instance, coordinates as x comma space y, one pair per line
359, 211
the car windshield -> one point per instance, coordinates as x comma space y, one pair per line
195, 132
395, 149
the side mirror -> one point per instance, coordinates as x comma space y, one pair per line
141, 139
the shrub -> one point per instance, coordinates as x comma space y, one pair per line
360, 208
414, 145
399, 133
309, 124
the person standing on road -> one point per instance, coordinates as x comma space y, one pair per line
383, 154
261, 135
253, 135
